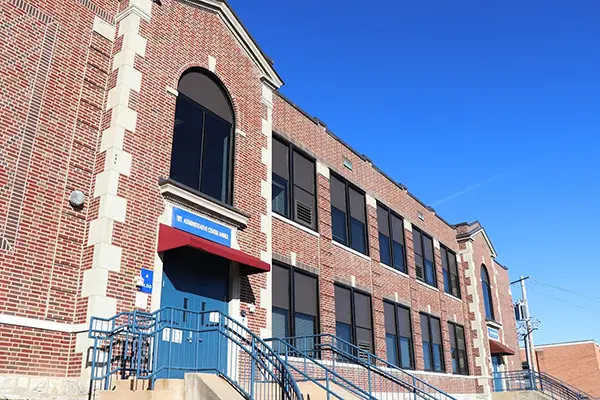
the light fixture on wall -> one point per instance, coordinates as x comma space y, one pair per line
77, 199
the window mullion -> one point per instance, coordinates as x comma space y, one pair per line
391, 233
201, 150
291, 317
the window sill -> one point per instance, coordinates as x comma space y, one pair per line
446, 374
357, 253
493, 324
427, 285
295, 224
175, 191
392, 269
453, 297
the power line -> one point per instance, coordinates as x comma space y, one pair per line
568, 291
567, 302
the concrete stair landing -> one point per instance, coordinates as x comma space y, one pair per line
192, 387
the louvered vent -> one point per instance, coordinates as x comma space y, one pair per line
366, 347
304, 213
419, 270
460, 335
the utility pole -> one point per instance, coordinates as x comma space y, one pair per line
529, 338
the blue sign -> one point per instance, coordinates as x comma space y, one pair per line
493, 333
147, 278
199, 226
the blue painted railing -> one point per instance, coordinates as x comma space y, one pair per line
319, 372
172, 341
530, 380
370, 373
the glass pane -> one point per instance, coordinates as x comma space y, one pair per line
305, 328
447, 287
281, 327
397, 229
343, 312
281, 287
338, 225
357, 205
399, 262
187, 143
338, 194
215, 158
454, 360
305, 294
359, 242
382, 221
437, 358
427, 356
280, 195
391, 345
430, 273
488, 302
417, 242
428, 247
390, 318
406, 352
344, 332
281, 155
304, 173
384, 249
363, 310
425, 328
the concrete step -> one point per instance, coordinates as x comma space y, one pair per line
131, 389
209, 387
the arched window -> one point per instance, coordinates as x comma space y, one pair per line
487, 293
201, 156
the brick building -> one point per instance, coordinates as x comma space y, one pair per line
576, 363
141, 137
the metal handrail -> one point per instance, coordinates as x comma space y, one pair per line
532, 380
387, 376
314, 370
127, 345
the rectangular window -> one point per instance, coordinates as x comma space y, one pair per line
424, 259
458, 349
295, 303
450, 269
293, 187
354, 318
391, 239
433, 352
398, 335
348, 215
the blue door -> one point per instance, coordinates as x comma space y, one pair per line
497, 376
196, 281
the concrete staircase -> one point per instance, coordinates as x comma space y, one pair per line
310, 391
192, 387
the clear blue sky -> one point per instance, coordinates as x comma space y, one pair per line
485, 110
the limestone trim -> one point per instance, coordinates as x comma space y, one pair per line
42, 324
236, 218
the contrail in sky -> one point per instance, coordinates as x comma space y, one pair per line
467, 190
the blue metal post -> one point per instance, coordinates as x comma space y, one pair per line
252, 365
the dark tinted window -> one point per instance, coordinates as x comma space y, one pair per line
295, 304
450, 270
203, 137
433, 353
391, 239
348, 215
458, 349
424, 258
293, 198
354, 318
398, 339
487, 293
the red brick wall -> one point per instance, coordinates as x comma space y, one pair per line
576, 364
337, 262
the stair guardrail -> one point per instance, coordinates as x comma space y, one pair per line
531, 380
171, 341
372, 374
311, 369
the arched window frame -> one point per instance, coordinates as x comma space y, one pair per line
486, 287
230, 119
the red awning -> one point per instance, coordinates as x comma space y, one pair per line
170, 238
500, 348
